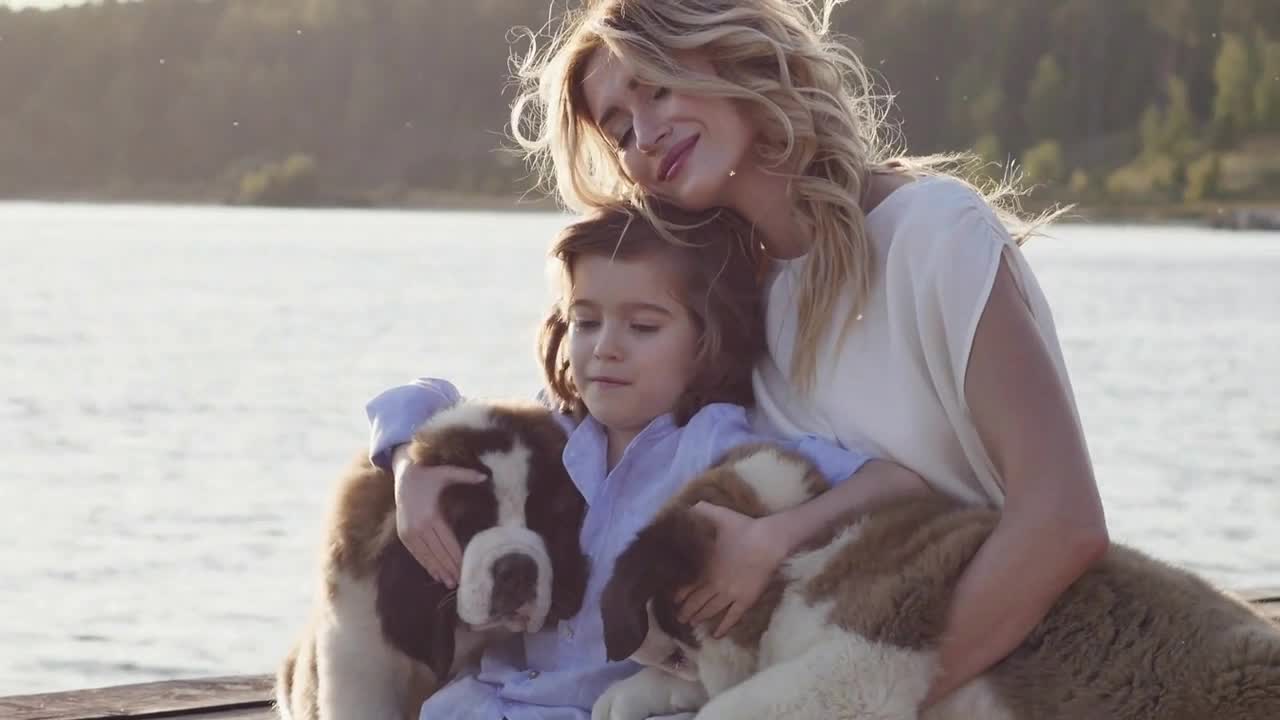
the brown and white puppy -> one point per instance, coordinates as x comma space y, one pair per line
384, 635
850, 625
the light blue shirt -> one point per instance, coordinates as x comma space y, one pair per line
558, 673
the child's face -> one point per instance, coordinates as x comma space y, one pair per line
631, 342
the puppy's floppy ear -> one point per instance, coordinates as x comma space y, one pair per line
418, 615
569, 565
555, 510
622, 605
667, 555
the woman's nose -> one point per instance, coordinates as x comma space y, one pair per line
650, 133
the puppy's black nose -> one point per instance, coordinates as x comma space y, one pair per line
514, 577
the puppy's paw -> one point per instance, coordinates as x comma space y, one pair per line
620, 703
648, 693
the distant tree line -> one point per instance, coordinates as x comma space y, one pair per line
294, 101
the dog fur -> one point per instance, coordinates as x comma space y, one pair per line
384, 635
849, 626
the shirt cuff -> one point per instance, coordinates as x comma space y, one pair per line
395, 414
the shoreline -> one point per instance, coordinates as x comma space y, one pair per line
1230, 214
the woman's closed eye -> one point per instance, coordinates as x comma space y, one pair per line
584, 324
624, 140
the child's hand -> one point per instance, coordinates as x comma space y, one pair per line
746, 554
419, 523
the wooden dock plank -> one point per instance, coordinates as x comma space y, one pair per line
1267, 600
263, 712
174, 698
1261, 595
244, 697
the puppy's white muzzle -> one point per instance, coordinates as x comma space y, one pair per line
493, 560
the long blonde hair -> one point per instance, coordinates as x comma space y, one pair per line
822, 125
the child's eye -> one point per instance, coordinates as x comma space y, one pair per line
625, 140
645, 329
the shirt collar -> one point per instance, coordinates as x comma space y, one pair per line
586, 452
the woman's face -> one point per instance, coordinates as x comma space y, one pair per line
673, 144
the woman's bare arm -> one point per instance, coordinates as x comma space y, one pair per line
1052, 527
875, 482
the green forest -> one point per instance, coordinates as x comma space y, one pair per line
1120, 104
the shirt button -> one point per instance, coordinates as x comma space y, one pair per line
533, 674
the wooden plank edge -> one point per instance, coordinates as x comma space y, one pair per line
169, 698
1261, 595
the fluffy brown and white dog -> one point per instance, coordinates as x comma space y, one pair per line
384, 635
850, 625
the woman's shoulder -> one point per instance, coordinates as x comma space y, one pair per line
934, 201
935, 219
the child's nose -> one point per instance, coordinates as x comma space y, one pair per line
607, 346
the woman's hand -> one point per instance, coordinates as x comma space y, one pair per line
747, 553
419, 523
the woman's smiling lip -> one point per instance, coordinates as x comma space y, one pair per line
604, 380
674, 159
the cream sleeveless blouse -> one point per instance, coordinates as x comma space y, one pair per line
895, 386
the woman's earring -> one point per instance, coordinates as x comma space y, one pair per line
732, 173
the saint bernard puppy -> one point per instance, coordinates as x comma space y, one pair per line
849, 626
384, 635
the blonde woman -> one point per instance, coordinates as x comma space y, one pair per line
902, 319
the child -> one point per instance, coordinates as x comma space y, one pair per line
648, 354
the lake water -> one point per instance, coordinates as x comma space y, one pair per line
180, 387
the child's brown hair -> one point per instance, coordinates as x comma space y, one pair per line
720, 289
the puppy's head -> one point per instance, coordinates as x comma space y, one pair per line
522, 564
638, 606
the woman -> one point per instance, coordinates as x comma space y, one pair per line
901, 316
